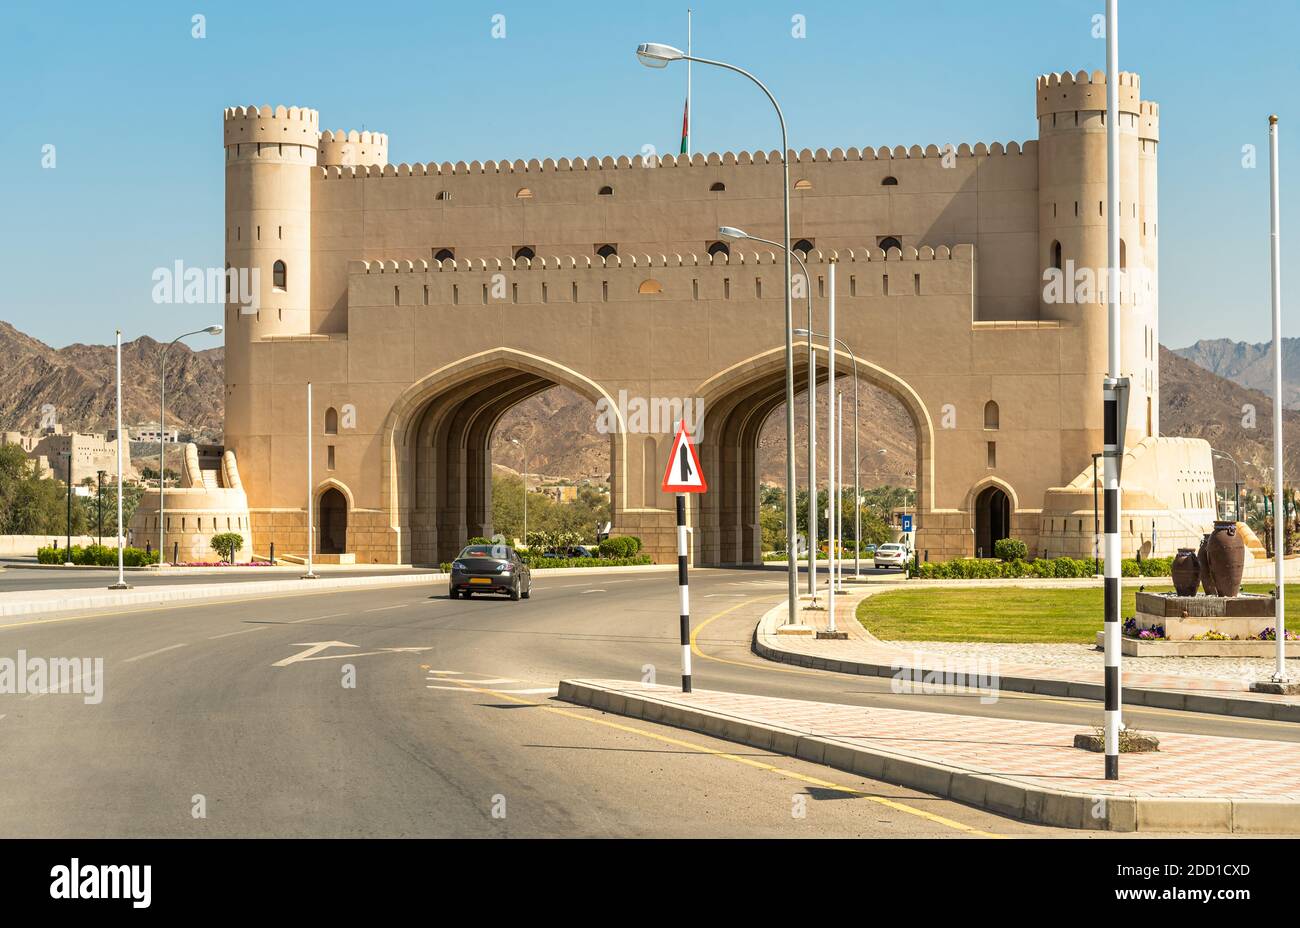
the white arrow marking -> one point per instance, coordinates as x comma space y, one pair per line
313, 647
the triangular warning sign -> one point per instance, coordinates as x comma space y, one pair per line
683, 474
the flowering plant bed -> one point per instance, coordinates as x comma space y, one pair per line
224, 564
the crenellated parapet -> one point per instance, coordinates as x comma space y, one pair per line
293, 124
1066, 92
643, 262
700, 160
342, 148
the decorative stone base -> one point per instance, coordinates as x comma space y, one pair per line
1184, 617
1135, 647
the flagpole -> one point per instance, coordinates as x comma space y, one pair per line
688, 83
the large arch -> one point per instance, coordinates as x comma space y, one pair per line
436, 469
737, 401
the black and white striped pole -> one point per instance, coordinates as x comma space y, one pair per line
1115, 404
684, 589
682, 476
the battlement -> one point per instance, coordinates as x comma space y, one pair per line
352, 148
291, 125
1066, 92
713, 159
589, 262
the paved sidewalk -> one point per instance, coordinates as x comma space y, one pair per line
862, 653
1029, 770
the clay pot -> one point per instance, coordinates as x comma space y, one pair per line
1186, 572
1203, 562
1227, 558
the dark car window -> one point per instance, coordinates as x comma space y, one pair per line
479, 551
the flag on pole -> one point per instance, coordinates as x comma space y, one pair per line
686, 126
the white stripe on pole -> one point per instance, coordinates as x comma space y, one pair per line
831, 452
683, 587
690, 114
1279, 494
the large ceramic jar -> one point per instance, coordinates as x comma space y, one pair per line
1227, 558
1186, 572
1203, 560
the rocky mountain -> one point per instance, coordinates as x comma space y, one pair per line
79, 382
1249, 365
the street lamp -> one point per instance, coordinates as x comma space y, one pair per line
1236, 484
655, 55
99, 506
516, 441
162, 434
67, 553
857, 422
737, 234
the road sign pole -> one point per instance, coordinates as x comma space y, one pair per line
683, 586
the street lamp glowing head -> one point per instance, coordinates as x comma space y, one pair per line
214, 330
732, 232
654, 55
802, 333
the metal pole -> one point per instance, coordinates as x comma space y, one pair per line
857, 489
69, 525
683, 588
1096, 524
832, 488
1279, 515
812, 459
162, 445
99, 507
839, 492
690, 116
121, 534
310, 574
1113, 427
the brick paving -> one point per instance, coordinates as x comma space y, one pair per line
1040, 754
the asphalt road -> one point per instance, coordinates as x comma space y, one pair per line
15, 577
202, 707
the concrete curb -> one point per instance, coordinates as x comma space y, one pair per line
1157, 699
1030, 803
105, 599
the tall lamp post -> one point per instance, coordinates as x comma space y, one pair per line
99, 506
655, 55
1236, 501
162, 434
516, 441
857, 421
67, 552
1279, 534
739, 235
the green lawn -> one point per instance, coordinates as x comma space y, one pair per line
1009, 614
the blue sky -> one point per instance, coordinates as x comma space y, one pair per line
133, 105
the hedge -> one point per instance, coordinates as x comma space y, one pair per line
547, 563
617, 546
986, 569
96, 556
1010, 549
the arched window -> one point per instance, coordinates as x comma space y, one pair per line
719, 248
444, 254
331, 421
803, 185
1056, 255
803, 245
525, 251
278, 275
523, 193
889, 242
717, 187
605, 192
1123, 255
991, 415
650, 286
607, 251
443, 195
889, 182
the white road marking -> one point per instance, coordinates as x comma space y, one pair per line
314, 647
140, 657
493, 681
386, 608
452, 672
585, 592
242, 631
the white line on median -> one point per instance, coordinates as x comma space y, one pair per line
140, 657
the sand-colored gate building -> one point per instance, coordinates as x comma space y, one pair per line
424, 300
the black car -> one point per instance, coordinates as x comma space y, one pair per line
490, 569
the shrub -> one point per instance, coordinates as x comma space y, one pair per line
617, 546
479, 540
95, 556
227, 544
1010, 549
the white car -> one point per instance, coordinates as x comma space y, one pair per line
891, 555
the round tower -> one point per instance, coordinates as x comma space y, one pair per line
352, 149
270, 154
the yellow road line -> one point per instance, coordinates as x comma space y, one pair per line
747, 761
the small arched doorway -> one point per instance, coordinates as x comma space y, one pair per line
333, 522
992, 519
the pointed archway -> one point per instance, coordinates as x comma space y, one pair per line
333, 538
992, 519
